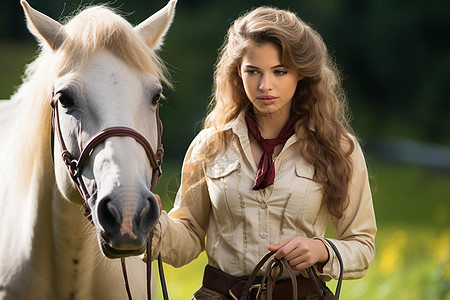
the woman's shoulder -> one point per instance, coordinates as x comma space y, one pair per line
202, 141
353, 145
202, 138
210, 144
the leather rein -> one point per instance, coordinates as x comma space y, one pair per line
75, 165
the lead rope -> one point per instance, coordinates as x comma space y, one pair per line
274, 270
272, 274
162, 277
149, 266
125, 277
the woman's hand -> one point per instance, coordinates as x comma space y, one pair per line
159, 202
301, 252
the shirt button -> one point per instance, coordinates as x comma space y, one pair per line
263, 205
263, 234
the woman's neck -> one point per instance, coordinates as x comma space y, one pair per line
270, 125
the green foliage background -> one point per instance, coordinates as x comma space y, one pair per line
395, 58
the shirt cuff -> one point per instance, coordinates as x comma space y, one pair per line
325, 271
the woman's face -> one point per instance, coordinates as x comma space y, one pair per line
268, 84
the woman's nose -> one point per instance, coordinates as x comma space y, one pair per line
266, 83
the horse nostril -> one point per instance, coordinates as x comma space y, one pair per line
149, 213
114, 212
144, 212
108, 215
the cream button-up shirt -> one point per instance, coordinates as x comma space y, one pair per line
217, 210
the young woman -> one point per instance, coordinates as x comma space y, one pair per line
274, 163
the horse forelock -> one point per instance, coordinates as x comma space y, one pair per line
101, 28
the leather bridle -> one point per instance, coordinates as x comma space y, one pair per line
75, 165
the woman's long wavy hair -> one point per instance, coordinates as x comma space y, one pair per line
319, 100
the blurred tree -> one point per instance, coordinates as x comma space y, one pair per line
394, 56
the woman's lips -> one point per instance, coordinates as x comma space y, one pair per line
266, 99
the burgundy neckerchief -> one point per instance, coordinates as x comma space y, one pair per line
266, 168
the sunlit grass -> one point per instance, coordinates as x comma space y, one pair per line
406, 267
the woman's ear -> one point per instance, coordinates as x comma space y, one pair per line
239, 70
300, 77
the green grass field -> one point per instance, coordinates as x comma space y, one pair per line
413, 242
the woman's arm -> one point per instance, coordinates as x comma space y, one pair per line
180, 235
355, 232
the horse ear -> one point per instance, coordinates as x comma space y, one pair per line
43, 27
155, 27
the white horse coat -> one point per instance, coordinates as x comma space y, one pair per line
109, 75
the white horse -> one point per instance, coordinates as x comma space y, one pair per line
105, 73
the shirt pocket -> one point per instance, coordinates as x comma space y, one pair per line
221, 169
223, 178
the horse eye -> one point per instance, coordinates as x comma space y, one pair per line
156, 98
66, 100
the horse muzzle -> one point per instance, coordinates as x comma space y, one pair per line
123, 223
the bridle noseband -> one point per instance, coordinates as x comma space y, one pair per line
75, 165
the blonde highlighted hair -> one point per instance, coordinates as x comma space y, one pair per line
319, 100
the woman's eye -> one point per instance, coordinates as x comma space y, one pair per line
251, 72
280, 72
66, 100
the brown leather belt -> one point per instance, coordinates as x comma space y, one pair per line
224, 283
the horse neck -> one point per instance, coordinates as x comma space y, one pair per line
64, 244
74, 243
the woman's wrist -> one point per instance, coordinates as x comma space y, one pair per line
323, 255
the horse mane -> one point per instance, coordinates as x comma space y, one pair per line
88, 32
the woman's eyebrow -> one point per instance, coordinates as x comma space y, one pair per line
274, 67
278, 66
251, 67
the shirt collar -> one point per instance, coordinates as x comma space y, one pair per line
239, 127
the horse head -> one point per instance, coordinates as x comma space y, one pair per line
103, 73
